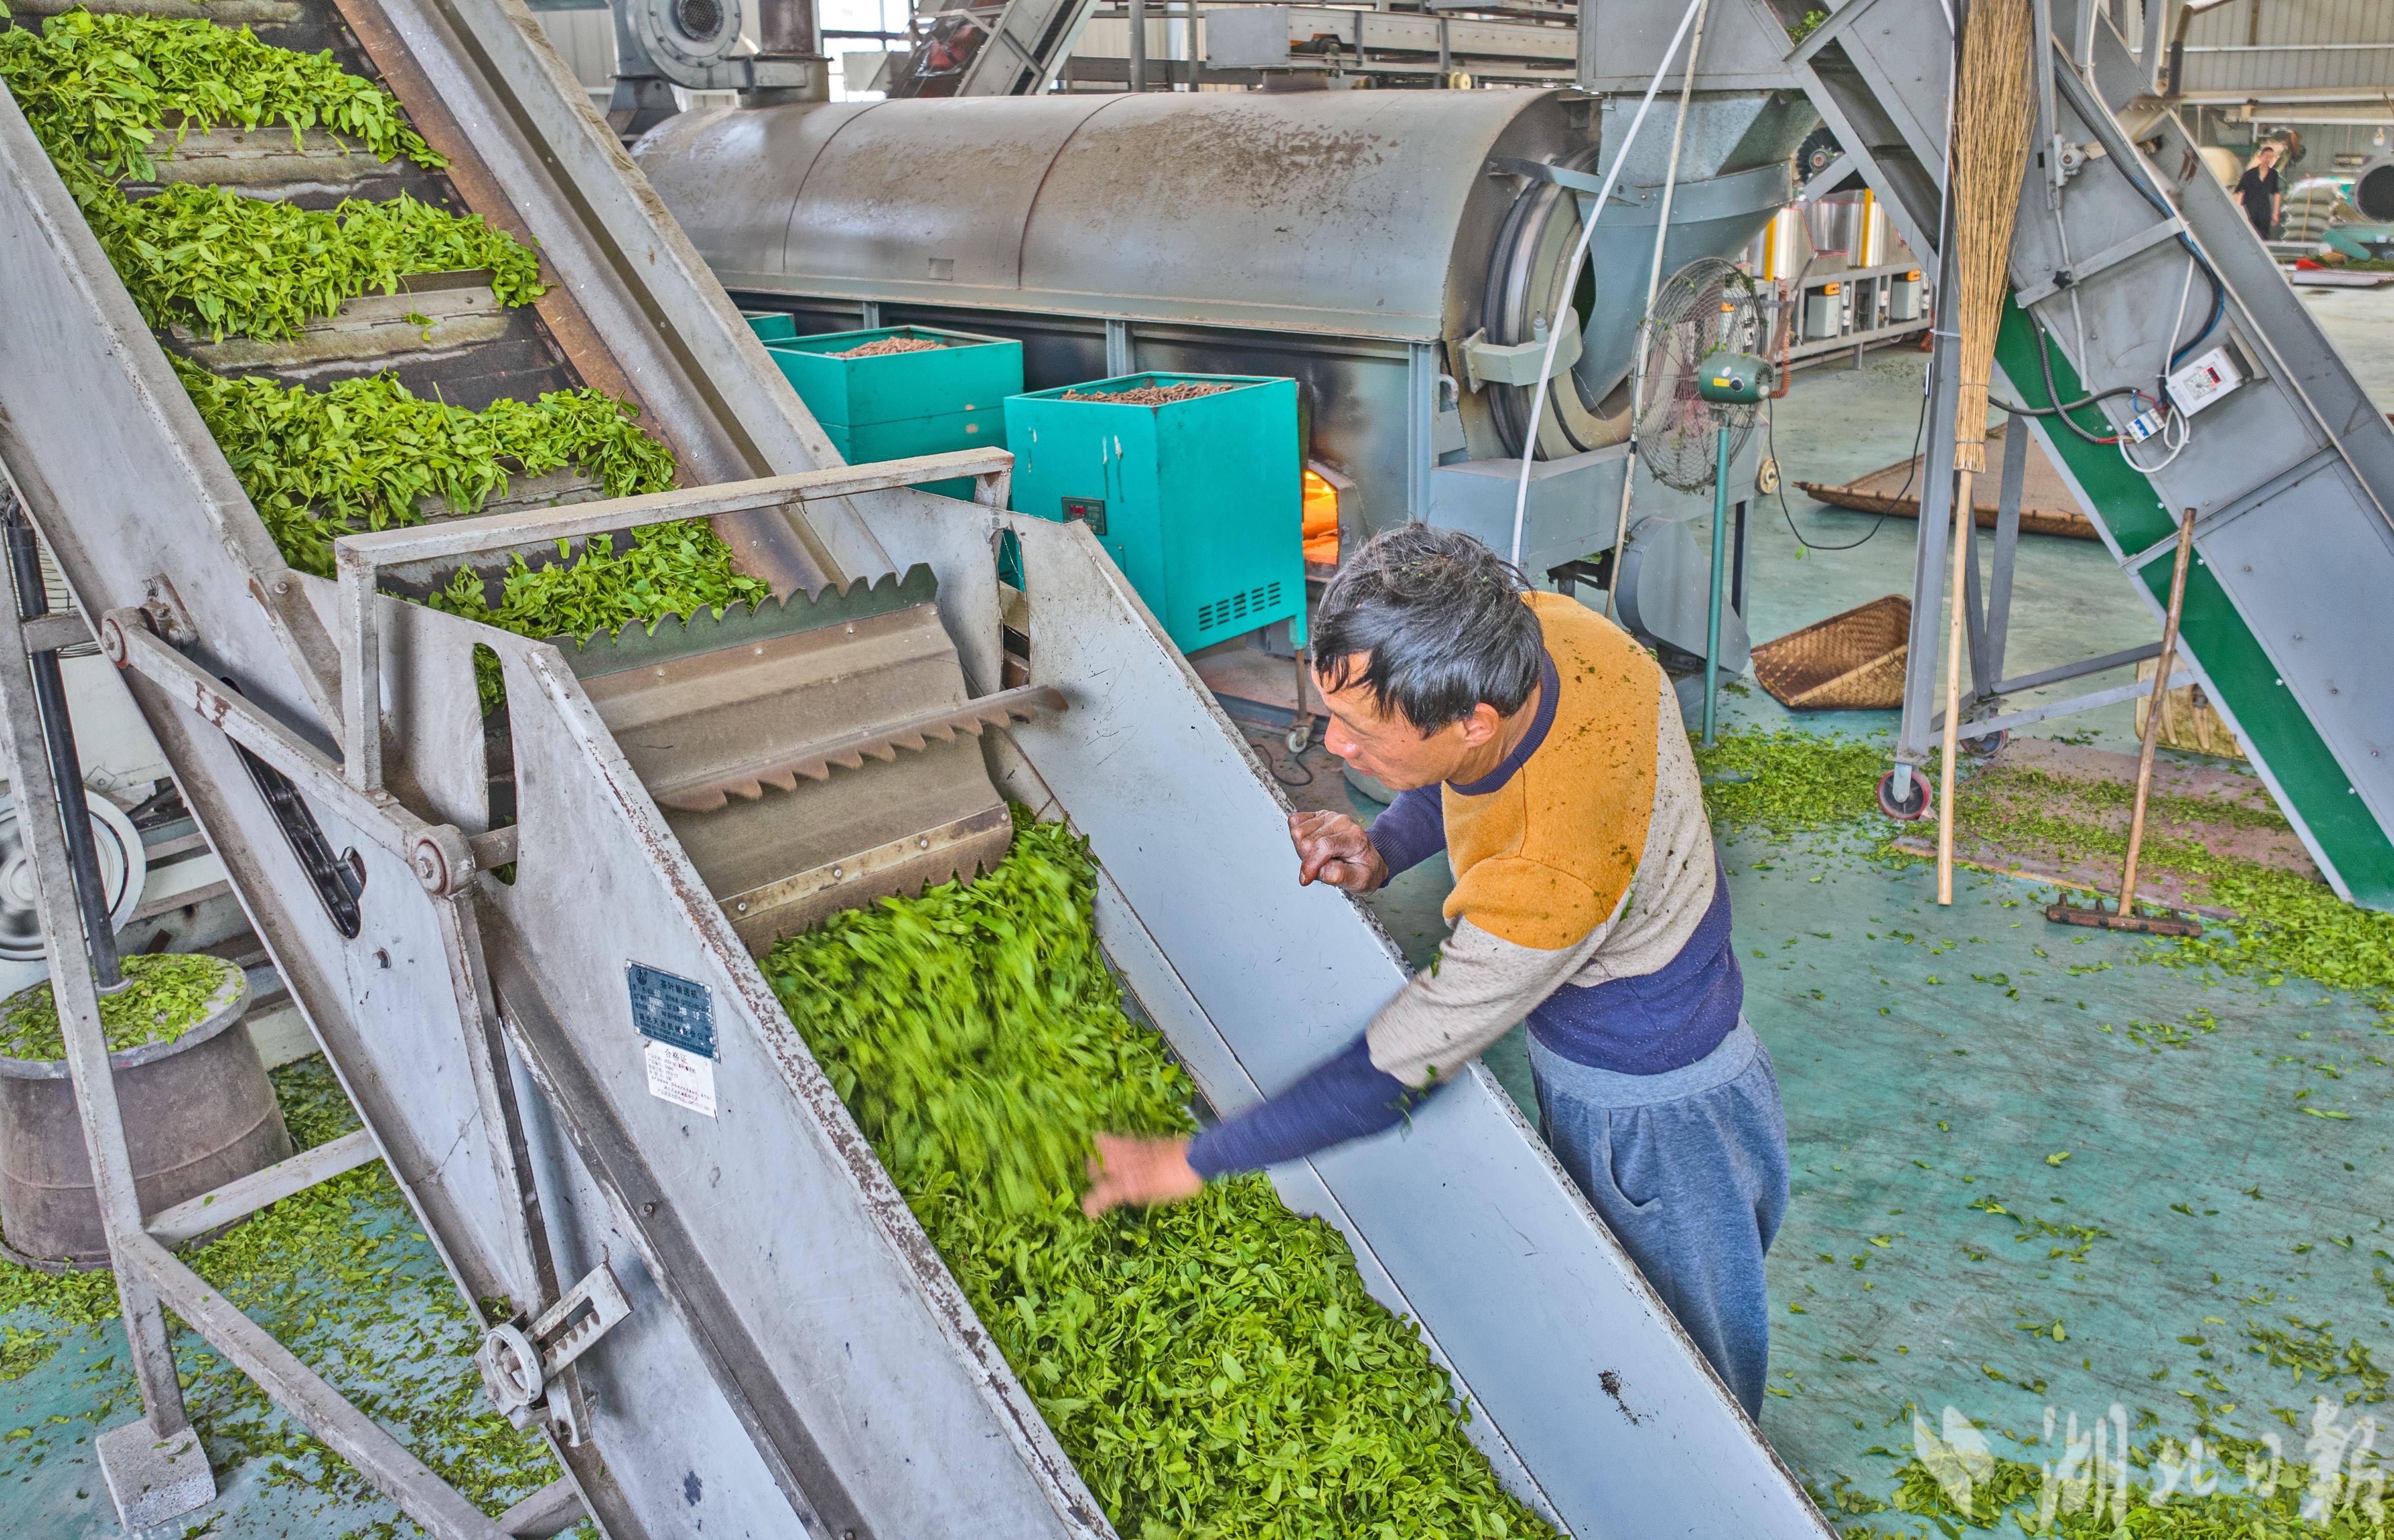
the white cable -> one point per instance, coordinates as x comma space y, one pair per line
1570, 273
2169, 343
2170, 413
1642, 338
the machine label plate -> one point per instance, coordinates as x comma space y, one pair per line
672, 1009
680, 1077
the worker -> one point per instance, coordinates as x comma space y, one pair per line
2259, 191
1540, 748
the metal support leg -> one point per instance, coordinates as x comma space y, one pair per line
1120, 360
1137, 60
2008, 518
1929, 566
1982, 678
1720, 541
65, 763
2040, 71
1737, 562
868, 316
167, 1427
1421, 407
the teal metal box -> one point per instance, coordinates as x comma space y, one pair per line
964, 372
771, 326
1198, 501
885, 406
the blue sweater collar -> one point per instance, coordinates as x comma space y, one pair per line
1550, 685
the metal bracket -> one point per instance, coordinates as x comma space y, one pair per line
1825, 181
518, 1362
2111, 255
167, 616
1486, 363
1539, 171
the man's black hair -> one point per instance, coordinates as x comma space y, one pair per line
1432, 622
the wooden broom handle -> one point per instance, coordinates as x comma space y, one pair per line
2166, 664
1960, 536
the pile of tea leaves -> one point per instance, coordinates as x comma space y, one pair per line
2006, 1493
366, 453
1214, 1368
209, 260
681, 569
165, 996
1788, 782
2286, 923
107, 95
98, 92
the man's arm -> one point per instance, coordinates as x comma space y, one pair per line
1439, 1021
1443, 1017
1332, 848
1413, 830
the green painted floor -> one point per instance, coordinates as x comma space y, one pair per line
346, 1279
2036, 1167
2036, 1170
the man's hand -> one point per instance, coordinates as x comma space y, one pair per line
1141, 1171
1332, 848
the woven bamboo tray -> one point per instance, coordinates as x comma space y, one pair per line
2046, 506
1849, 661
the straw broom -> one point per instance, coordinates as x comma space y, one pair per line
1992, 110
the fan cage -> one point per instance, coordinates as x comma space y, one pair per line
1707, 306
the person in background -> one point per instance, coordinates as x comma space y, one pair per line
1539, 747
2259, 191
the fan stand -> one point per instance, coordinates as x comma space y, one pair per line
1720, 565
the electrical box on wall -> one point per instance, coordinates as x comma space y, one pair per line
2205, 379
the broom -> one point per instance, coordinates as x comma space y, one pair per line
1992, 112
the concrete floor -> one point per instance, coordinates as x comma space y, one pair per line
1933, 1062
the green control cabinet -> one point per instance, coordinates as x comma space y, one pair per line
1199, 500
887, 406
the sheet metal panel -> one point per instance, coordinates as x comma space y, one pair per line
1302, 213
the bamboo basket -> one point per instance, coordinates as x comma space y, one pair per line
1849, 661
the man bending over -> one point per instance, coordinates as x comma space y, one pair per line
1540, 748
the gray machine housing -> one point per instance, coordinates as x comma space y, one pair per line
1383, 248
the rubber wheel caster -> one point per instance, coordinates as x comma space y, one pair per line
1987, 744
1300, 737
1922, 798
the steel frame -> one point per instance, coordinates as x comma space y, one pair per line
148, 1276
443, 860
1874, 69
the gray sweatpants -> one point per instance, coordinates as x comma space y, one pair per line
1689, 1169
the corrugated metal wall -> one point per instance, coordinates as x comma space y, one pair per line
2291, 45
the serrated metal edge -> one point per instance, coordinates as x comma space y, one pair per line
913, 735
672, 638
